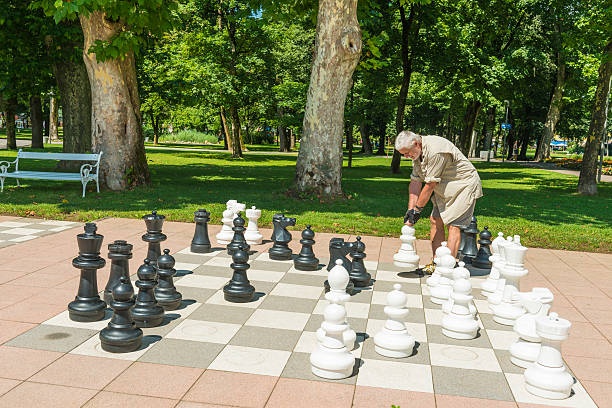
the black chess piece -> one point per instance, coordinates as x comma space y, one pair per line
121, 334
146, 312
154, 235
238, 240
119, 252
306, 260
484, 251
200, 243
358, 273
338, 249
165, 292
461, 241
239, 289
470, 249
280, 250
87, 305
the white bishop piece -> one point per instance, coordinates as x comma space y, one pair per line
459, 322
497, 261
252, 234
548, 377
394, 340
407, 257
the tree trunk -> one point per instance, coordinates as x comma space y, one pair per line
471, 114
283, 139
337, 52
587, 182
407, 55
382, 130
53, 117
75, 97
552, 117
11, 111
37, 122
236, 143
348, 132
366, 143
227, 138
116, 119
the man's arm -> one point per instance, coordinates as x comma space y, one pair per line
414, 189
424, 195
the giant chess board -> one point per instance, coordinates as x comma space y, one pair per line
275, 334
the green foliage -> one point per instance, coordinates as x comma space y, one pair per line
189, 136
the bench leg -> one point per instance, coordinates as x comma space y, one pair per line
2, 184
84, 187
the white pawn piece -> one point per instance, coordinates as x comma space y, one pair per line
510, 307
444, 284
435, 276
525, 350
338, 279
461, 279
226, 234
548, 377
459, 322
496, 259
394, 340
331, 359
252, 234
407, 257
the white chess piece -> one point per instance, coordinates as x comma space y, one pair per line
459, 322
548, 377
442, 250
496, 259
226, 234
252, 234
510, 307
406, 257
444, 283
462, 274
394, 340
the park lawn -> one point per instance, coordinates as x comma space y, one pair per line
540, 206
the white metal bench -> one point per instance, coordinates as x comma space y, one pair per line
88, 171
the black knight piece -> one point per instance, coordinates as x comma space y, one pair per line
121, 334
119, 252
280, 250
358, 273
146, 312
306, 260
338, 249
200, 243
154, 235
239, 289
238, 240
87, 305
470, 249
165, 292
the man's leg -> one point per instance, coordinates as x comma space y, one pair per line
454, 239
436, 233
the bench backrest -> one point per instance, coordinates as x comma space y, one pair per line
59, 156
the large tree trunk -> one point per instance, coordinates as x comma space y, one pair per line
337, 51
53, 117
587, 182
37, 121
553, 115
366, 143
227, 138
469, 121
11, 111
407, 47
284, 141
236, 142
116, 119
75, 97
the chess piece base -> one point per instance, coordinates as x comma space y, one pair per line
476, 271
87, 310
548, 382
201, 248
118, 341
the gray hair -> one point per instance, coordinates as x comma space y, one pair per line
406, 140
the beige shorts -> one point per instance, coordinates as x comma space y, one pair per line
462, 221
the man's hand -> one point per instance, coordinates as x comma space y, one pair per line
412, 216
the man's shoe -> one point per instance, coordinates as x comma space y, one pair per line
429, 268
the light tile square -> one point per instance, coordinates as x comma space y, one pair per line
199, 330
307, 342
278, 319
319, 272
415, 301
251, 360
395, 375
23, 238
502, 339
390, 276
14, 224
205, 256
299, 291
92, 347
59, 229
475, 358
353, 309
433, 316
482, 306
264, 256
219, 299
185, 266
265, 276
202, 281
370, 265
416, 330
580, 399
60, 223
63, 319
219, 261
23, 231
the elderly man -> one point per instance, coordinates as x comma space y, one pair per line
450, 180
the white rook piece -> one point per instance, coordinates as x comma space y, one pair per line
407, 257
252, 234
394, 340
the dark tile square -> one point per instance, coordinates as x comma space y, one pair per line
420, 353
266, 338
222, 313
288, 304
52, 338
490, 324
298, 366
471, 383
183, 353
303, 279
435, 335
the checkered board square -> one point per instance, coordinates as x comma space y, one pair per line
25, 229
275, 333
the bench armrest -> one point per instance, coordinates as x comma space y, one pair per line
6, 165
87, 170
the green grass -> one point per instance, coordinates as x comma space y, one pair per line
539, 205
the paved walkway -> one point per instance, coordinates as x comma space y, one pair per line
37, 281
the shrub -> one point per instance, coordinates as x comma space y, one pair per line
189, 136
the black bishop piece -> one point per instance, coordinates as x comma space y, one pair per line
146, 312
154, 235
358, 273
121, 334
165, 292
239, 289
200, 243
306, 260
238, 240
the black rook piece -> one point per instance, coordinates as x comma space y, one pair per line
154, 235
358, 273
146, 312
338, 249
280, 251
87, 305
200, 243
238, 240
470, 249
165, 292
484, 252
306, 260
119, 252
239, 289
121, 335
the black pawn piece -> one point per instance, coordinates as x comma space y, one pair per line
358, 273
200, 243
146, 312
238, 240
239, 289
338, 249
280, 250
165, 292
306, 260
154, 235
121, 334
470, 249
484, 252
119, 252
87, 305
